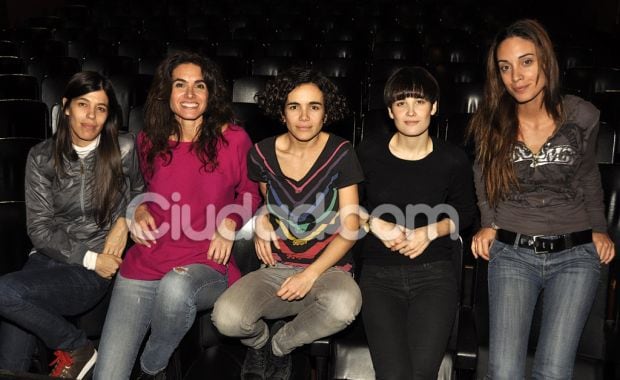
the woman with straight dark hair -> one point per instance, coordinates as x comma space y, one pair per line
541, 203
194, 164
408, 278
78, 184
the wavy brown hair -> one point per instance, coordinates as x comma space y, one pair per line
273, 99
494, 126
159, 120
108, 179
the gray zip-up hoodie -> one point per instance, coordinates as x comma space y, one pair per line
59, 210
560, 187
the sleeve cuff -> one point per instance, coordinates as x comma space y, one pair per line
237, 219
90, 260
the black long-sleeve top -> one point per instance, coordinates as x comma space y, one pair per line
443, 177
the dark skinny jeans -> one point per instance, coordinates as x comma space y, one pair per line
408, 313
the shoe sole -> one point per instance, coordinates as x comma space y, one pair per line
87, 367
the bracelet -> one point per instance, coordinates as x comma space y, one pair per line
369, 222
366, 226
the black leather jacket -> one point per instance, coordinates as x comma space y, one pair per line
58, 210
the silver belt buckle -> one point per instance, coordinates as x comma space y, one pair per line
533, 243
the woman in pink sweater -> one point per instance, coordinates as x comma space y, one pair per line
194, 163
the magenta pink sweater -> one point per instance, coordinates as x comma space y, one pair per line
191, 202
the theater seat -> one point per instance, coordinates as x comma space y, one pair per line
15, 241
12, 64
253, 120
23, 118
606, 144
13, 157
245, 89
19, 86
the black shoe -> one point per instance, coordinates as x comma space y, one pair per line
255, 362
278, 367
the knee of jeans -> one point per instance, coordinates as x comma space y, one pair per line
229, 318
10, 294
176, 287
341, 305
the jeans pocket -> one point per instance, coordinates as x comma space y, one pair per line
587, 250
497, 250
441, 268
377, 274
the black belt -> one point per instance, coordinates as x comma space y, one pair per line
545, 243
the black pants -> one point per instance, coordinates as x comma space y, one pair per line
408, 314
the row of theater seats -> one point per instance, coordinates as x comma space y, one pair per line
461, 87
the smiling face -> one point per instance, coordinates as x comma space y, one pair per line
189, 94
412, 116
304, 112
87, 116
520, 69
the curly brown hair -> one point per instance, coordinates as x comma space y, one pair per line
273, 99
160, 122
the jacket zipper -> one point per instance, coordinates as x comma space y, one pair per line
82, 190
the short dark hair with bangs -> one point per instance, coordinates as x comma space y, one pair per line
410, 82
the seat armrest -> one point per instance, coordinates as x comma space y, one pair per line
467, 341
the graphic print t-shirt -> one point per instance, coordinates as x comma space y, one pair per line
305, 213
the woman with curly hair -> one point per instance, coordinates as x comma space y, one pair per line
194, 164
541, 203
308, 179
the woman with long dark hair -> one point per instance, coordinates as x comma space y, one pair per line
541, 203
78, 184
194, 164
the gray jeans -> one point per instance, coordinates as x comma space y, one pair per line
331, 305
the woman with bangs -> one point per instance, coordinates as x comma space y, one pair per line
408, 279
541, 204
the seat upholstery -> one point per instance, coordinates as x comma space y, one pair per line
19, 86
23, 118
245, 88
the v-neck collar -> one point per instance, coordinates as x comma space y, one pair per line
310, 171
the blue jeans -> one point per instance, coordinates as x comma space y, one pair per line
331, 304
408, 315
33, 302
516, 278
168, 306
